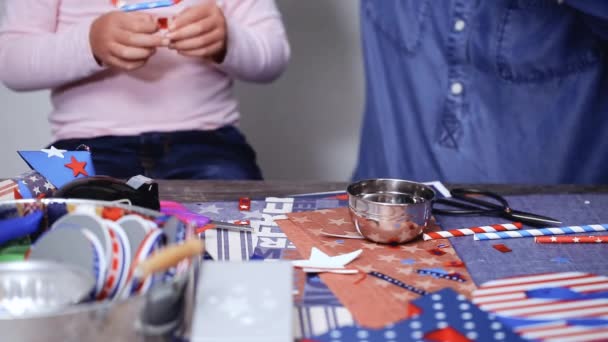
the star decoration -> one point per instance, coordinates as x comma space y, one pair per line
381, 282
53, 152
331, 244
36, 190
34, 178
316, 232
402, 296
320, 260
387, 258
325, 211
77, 167
553, 239
430, 261
371, 245
366, 268
301, 219
405, 270
214, 209
598, 240
338, 222
425, 284
412, 249
576, 240
48, 186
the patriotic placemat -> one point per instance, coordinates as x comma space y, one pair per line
442, 316
390, 276
564, 305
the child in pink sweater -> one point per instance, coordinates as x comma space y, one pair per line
145, 100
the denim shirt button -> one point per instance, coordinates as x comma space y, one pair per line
456, 88
459, 25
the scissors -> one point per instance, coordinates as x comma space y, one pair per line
468, 202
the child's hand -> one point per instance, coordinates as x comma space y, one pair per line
124, 40
200, 31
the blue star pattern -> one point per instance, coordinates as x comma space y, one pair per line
442, 309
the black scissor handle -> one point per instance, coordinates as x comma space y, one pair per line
468, 205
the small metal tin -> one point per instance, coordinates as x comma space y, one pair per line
390, 210
40, 287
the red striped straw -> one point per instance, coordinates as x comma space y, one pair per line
571, 239
472, 230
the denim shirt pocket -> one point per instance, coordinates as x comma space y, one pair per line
401, 21
540, 40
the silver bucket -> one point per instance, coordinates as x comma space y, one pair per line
162, 314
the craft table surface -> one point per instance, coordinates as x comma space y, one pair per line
201, 191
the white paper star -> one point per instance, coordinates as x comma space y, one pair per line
320, 260
576, 240
210, 209
53, 152
553, 239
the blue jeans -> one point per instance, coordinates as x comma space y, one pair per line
220, 154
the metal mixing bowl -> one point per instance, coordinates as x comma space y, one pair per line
40, 287
390, 210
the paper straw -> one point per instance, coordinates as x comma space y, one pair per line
472, 230
542, 232
571, 239
146, 5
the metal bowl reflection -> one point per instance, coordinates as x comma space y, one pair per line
390, 210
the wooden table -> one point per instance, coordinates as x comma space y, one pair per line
201, 191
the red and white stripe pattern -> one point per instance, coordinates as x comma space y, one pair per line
472, 230
7, 190
507, 297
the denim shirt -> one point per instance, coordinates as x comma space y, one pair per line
497, 91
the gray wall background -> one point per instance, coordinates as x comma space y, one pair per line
304, 126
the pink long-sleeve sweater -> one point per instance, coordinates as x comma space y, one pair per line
44, 44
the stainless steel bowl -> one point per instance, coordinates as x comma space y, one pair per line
40, 287
390, 210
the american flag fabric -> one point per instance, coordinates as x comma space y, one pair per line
35, 185
7, 190
564, 306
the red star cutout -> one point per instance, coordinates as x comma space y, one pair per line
446, 334
77, 167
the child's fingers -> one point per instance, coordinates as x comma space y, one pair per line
191, 15
192, 30
140, 24
124, 65
129, 53
203, 52
197, 42
140, 40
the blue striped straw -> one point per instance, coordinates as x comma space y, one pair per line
540, 232
147, 5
